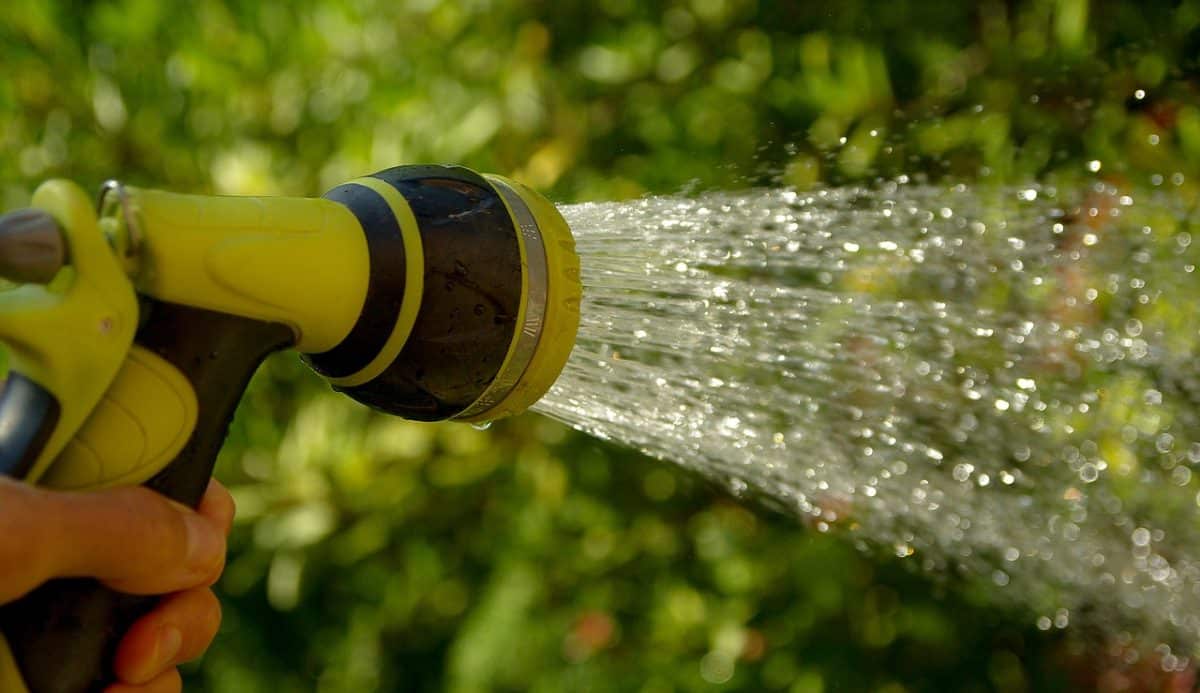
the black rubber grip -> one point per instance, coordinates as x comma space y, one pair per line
385, 283
64, 634
28, 415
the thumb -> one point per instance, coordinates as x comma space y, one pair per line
132, 539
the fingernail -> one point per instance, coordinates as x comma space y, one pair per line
170, 639
167, 642
204, 543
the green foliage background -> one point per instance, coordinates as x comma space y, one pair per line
376, 554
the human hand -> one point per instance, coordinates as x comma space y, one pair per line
134, 541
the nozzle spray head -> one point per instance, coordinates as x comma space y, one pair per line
473, 299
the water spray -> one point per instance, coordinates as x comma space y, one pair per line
990, 383
428, 292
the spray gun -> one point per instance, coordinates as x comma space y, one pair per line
428, 292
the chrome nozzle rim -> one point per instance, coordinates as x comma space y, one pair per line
530, 332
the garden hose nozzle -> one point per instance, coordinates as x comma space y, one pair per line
473, 298
429, 292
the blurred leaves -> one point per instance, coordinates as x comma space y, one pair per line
377, 554
586, 101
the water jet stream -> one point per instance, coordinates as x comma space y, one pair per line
998, 382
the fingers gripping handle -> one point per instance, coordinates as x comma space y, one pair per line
63, 636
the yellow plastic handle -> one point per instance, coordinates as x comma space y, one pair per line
301, 262
140, 424
10, 675
71, 336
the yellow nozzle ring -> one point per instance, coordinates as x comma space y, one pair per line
559, 317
